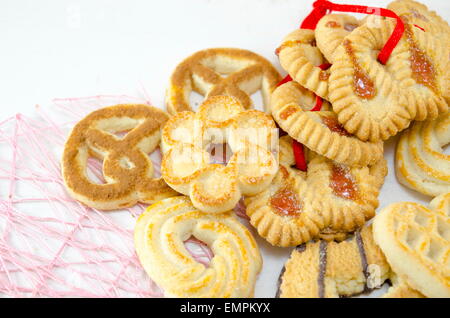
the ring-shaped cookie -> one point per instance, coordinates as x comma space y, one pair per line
221, 71
420, 163
331, 31
127, 168
301, 58
319, 130
328, 201
375, 101
186, 165
159, 235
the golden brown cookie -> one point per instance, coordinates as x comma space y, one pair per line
330, 269
301, 58
419, 14
416, 242
331, 31
186, 166
127, 168
159, 236
328, 201
420, 162
375, 101
221, 71
320, 131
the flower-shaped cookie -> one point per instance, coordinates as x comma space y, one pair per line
187, 167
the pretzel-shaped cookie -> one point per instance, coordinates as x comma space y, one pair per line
159, 235
319, 130
202, 72
420, 163
328, 201
186, 164
416, 242
301, 58
127, 169
375, 101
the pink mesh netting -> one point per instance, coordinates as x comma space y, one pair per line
51, 245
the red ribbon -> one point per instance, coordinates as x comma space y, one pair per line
299, 155
322, 7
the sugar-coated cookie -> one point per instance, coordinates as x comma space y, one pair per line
221, 71
187, 167
416, 242
127, 168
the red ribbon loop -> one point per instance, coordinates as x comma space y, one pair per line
321, 7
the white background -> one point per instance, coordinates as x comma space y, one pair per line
78, 48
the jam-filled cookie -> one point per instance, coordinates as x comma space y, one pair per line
221, 71
301, 58
320, 131
331, 31
420, 162
127, 169
159, 238
419, 16
375, 101
328, 201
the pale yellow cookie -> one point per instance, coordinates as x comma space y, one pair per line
301, 58
186, 166
375, 101
330, 269
320, 131
159, 236
331, 31
127, 168
329, 200
416, 243
221, 71
420, 163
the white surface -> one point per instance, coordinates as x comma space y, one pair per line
79, 48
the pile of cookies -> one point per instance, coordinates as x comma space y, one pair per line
315, 188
